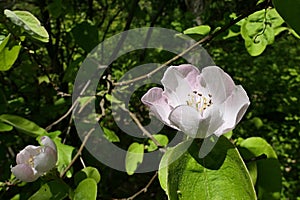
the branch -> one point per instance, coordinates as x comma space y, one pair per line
205, 40
78, 153
145, 132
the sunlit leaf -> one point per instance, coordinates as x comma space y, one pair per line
162, 139
64, 156
134, 157
86, 190
5, 127
29, 23
268, 169
221, 174
200, 30
23, 125
87, 172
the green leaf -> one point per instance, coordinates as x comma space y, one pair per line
86, 190
5, 127
52, 190
110, 135
8, 55
199, 30
87, 172
29, 23
162, 139
258, 30
23, 125
134, 156
268, 170
289, 10
64, 153
222, 174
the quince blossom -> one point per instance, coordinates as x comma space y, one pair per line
34, 161
198, 104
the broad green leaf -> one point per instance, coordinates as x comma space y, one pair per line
87, 172
258, 146
268, 182
64, 153
170, 156
29, 23
258, 30
8, 55
222, 174
23, 125
162, 139
5, 127
52, 190
200, 30
290, 11
86, 190
110, 135
134, 156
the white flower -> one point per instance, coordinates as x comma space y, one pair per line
34, 161
199, 104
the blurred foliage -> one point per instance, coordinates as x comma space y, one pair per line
38, 84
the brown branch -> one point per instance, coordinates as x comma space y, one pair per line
204, 40
141, 127
78, 153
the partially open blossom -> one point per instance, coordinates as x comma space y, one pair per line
198, 104
34, 161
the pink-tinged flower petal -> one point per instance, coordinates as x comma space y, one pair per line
158, 104
190, 74
46, 141
176, 87
219, 83
24, 173
189, 120
235, 107
27, 153
46, 160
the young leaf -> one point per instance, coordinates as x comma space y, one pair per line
5, 127
162, 139
134, 156
29, 23
87, 172
86, 190
199, 30
8, 55
23, 125
64, 153
110, 135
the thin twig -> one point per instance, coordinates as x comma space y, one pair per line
78, 153
70, 109
62, 117
141, 127
142, 190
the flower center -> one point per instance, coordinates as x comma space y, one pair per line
199, 101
